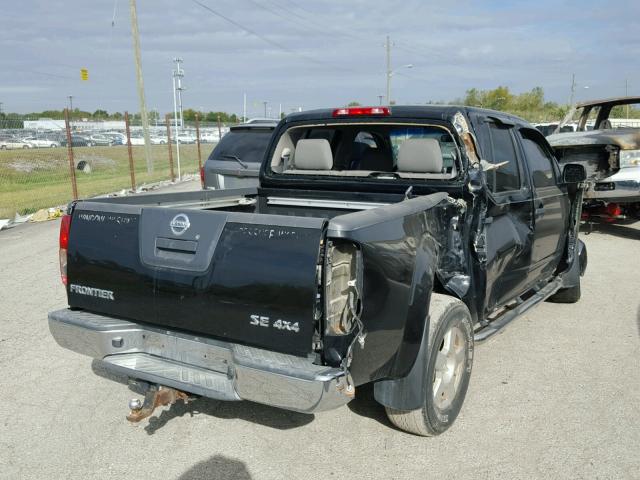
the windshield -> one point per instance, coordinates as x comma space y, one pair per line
367, 150
249, 145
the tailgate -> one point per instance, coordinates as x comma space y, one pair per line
243, 277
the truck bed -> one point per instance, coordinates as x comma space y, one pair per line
210, 261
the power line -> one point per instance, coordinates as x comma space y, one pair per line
266, 39
250, 31
46, 74
321, 28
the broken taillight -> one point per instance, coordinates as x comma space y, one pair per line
65, 226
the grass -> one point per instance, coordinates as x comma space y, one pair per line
32, 179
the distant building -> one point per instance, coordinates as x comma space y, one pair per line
44, 124
50, 124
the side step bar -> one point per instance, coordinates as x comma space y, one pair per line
493, 327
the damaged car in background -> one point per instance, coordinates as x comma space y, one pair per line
380, 244
607, 144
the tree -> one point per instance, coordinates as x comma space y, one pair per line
353, 104
100, 114
529, 105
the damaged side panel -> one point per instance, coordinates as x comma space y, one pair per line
402, 245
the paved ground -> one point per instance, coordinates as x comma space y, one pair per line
556, 395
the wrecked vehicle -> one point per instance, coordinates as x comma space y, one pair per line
379, 245
607, 144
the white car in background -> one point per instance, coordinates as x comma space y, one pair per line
119, 138
137, 140
209, 137
41, 142
158, 140
186, 137
13, 144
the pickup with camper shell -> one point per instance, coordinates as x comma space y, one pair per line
380, 244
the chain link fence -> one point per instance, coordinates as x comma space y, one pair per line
47, 163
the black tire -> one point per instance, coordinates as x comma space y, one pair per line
446, 314
566, 295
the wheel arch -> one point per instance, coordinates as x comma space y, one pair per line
409, 392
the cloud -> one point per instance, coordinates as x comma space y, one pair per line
321, 53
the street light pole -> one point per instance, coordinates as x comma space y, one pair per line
178, 73
70, 97
391, 73
388, 47
265, 109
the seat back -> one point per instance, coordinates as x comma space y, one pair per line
313, 154
420, 155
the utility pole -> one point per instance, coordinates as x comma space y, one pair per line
388, 47
178, 73
244, 108
573, 89
140, 83
626, 93
70, 97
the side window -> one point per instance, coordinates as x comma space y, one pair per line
539, 159
506, 177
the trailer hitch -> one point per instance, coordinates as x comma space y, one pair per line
155, 396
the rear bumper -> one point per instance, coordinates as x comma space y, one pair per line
202, 366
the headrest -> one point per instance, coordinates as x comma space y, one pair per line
420, 155
313, 154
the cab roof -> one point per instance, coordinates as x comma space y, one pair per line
435, 112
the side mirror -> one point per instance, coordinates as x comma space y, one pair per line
573, 173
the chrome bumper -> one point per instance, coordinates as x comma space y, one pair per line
203, 366
626, 187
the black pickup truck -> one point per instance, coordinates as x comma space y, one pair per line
380, 243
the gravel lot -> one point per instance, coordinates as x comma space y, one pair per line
555, 395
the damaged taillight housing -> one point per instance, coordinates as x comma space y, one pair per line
65, 226
343, 286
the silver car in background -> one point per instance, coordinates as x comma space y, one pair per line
235, 161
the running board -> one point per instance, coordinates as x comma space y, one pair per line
503, 320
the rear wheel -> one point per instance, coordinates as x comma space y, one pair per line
449, 363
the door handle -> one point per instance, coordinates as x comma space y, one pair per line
175, 245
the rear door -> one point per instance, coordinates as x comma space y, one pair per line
550, 203
509, 214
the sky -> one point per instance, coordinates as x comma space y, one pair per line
302, 54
